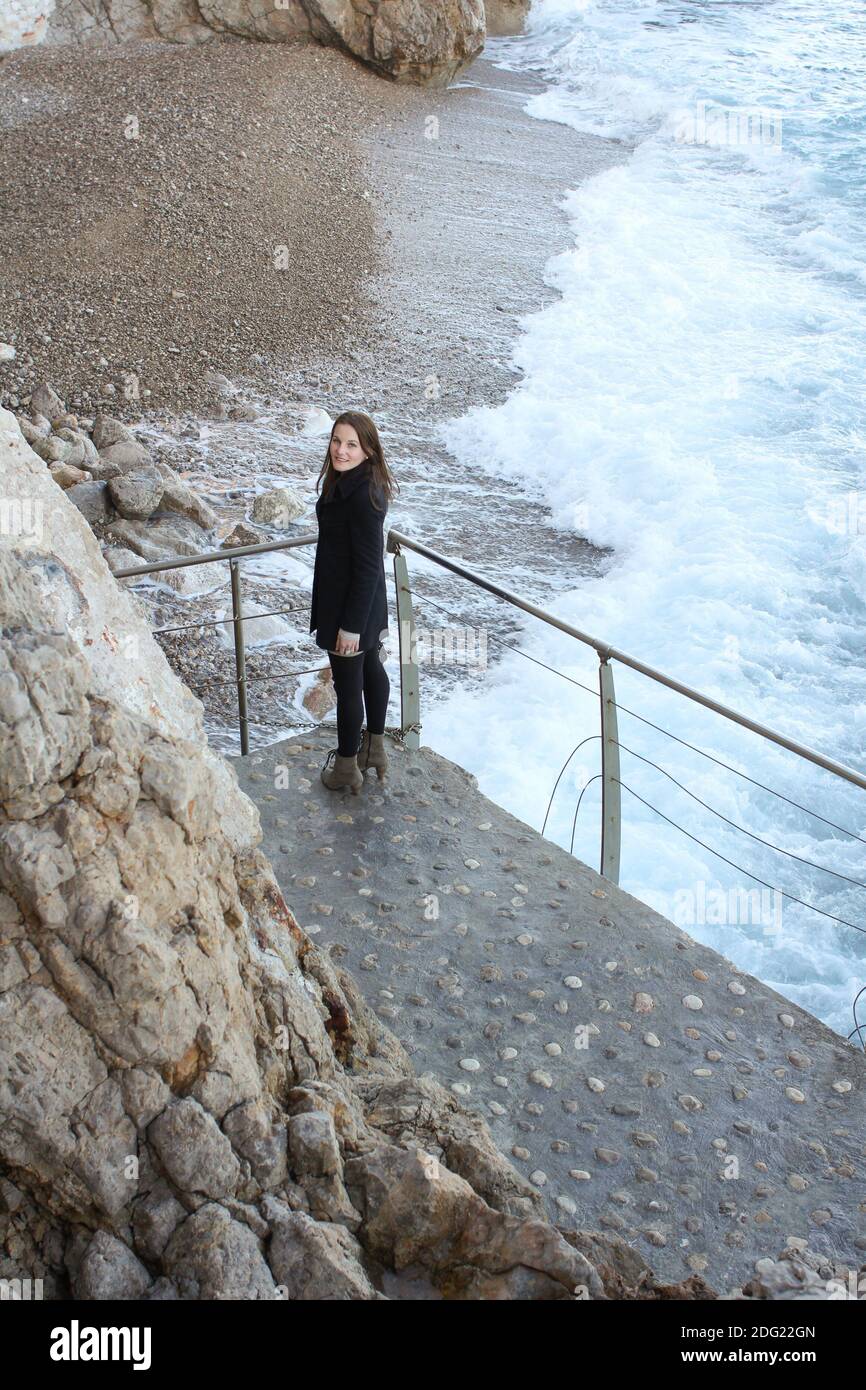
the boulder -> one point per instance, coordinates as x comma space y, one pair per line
194, 580
212, 1256
66, 476
242, 534
75, 438
45, 401
127, 455
92, 461
193, 1150
118, 557
406, 40
417, 1213
160, 537
278, 507
320, 697
32, 432
52, 449
421, 1106
107, 431
92, 500
313, 1260
109, 1270
505, 16
136, 494
178, 497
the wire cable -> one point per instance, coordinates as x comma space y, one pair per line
769, 845
740, 868
588, 739
660, 729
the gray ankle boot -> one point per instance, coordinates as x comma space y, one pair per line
372, 754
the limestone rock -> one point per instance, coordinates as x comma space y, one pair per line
320, 697
619, 1266
407, 40
256, 21
505, 16
92, 500
44, 400
318, 1166
160, 537
260, 1141
110, 1270
53, 449
74, 439
32, 432
127, 455
44, 720
213, 1256
312, 1260
242, 534
155, 1218
417, 1213
437, 1120
193, 1150
137, 493
118, 557
313, 1145
277, 507
66, 476
107, 431
178, 497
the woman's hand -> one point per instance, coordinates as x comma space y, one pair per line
347, 643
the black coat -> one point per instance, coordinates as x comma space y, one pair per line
349, 573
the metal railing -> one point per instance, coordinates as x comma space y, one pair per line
611, 811
410, 682
409, 728
231, 556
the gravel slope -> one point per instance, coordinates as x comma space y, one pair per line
141, 263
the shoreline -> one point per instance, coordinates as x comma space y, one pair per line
384, 252
459, 229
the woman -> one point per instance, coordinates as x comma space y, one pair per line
349, 605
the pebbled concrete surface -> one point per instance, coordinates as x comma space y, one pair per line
639, 1079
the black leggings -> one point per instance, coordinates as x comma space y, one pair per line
355, 676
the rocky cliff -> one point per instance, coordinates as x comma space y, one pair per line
406, 40
193, 1102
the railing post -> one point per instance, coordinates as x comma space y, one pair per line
611, 822
410, 677
240, 661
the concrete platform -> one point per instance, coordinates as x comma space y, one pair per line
640, 1080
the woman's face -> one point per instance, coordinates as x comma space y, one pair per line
346, 451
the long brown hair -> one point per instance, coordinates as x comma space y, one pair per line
368, 438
